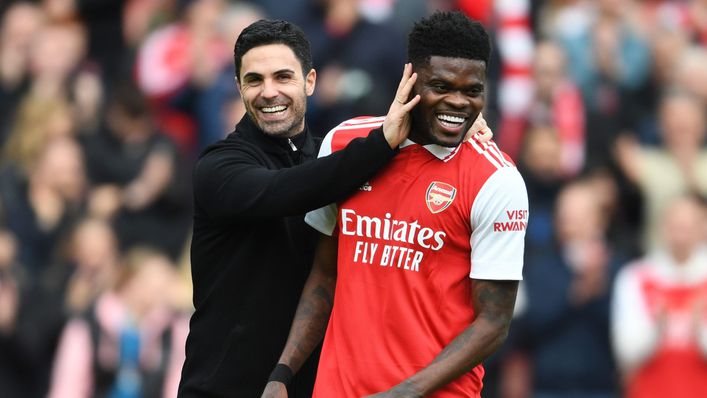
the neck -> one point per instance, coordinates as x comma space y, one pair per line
419, 138
681, 255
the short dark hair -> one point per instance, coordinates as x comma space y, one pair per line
448, 34
264, 32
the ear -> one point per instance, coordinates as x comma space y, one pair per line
238, 84
310, 81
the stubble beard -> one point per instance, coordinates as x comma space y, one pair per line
421, 131
282, 128
288, 130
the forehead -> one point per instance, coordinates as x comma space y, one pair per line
268, 59
466, 70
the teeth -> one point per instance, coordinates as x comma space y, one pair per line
273, 109
451, 119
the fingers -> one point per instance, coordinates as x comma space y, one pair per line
406, 84
403, 94
484, 135
411, 104
480, 130
407, 71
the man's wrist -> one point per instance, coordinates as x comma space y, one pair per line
407, 389
282, 373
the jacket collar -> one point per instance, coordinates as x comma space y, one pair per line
248, 130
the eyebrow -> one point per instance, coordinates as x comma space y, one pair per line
474, 85
249, 75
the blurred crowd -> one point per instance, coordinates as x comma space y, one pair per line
105, 105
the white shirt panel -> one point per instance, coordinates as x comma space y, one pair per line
323, 219
499, 216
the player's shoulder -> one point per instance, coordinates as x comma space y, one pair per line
487, 156
350, 129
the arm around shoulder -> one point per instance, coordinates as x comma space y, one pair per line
237, 184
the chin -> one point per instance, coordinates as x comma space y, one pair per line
451, 142
276, 130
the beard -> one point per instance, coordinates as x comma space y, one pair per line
291, 125
421, 131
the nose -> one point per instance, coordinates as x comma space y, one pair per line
457, 99
269, 89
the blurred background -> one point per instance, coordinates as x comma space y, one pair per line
105, 105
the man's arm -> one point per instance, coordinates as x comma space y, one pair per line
312, 316
493, 303
238, 186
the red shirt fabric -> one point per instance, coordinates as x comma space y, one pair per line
677, 369
409, 241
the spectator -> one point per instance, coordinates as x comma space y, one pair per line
659, 327
55, 54
136, 177
669, 46
558, 103
564, 18
609, 61
41, 209
20, 22
566, 320
691, 72
90, 268
30, 322
357, 72
38, 121
673, 169
216, 105
130, 342
540, 166
190, 49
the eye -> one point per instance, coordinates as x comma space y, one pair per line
284, 77
439, 88
253, 82
475, 91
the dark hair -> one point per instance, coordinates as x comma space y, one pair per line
448, 34
264, 32
130, 99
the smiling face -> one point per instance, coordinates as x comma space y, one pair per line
274, 89
452, 96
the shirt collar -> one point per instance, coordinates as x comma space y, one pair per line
442, 153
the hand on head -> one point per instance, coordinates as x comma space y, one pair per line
479, 130
396, 126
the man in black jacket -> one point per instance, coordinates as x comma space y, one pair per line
251, 250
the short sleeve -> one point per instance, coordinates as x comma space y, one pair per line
323, 219
499, 217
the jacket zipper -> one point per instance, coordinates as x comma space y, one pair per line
292, 145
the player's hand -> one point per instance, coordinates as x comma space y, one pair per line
274, 389
396, 126
479, 130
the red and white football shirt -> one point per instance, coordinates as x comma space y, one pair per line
409, 241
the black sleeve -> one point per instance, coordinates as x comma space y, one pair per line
238, 186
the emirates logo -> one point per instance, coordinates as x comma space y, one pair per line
439, 196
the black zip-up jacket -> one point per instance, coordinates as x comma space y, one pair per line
252, 251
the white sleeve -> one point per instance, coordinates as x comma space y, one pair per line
499, 216
633, 332
324, 218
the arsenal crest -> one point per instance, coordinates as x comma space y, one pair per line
439, 196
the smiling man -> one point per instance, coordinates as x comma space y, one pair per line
415, 277
251, 249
